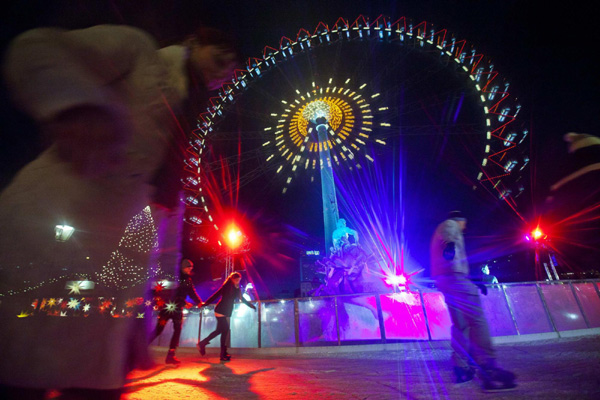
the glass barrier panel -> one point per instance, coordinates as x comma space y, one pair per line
528, 309
317, 322
189, 330
403, 316
438, 316
497, 313
562, 306
357, 316
277, 324
590, 302
244, 326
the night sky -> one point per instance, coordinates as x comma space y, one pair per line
546, 53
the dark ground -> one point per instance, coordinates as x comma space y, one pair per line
566, 368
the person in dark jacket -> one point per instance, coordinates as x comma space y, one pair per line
174, 309
229, 292
485, 277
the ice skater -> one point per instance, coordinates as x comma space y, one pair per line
229, 292
470, 336
174, 309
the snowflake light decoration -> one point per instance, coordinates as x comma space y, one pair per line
73, 304
170, 307
74, 287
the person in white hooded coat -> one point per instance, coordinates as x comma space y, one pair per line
107, 97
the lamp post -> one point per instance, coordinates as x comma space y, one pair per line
63, 233
542, 250
237, 243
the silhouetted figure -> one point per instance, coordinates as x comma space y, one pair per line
229, 292
485, 277
470, 336
573, 207
174, 309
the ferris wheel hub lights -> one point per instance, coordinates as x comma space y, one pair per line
317, 112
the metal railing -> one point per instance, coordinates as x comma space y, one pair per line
522, 308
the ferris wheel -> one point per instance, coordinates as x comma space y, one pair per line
375, 82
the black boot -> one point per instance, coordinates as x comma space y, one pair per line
463, 374
202, 346
496, 379
224, 355
171, 359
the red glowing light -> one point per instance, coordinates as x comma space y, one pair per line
537, 235
233, 236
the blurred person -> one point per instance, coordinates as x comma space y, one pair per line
109, 100
485, 276
249, 292
470, 337
572, 208
230, 292
174, 309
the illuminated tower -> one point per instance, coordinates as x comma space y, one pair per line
323, 128
318, 113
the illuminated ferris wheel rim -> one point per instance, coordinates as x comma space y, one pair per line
499, 107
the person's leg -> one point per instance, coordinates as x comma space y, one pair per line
160, 326
481, 347
482, 352
218, 331
177, 321
459, 332
224, 336
455, 288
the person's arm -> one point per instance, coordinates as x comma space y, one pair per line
191, 292
214, 295
450, 234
